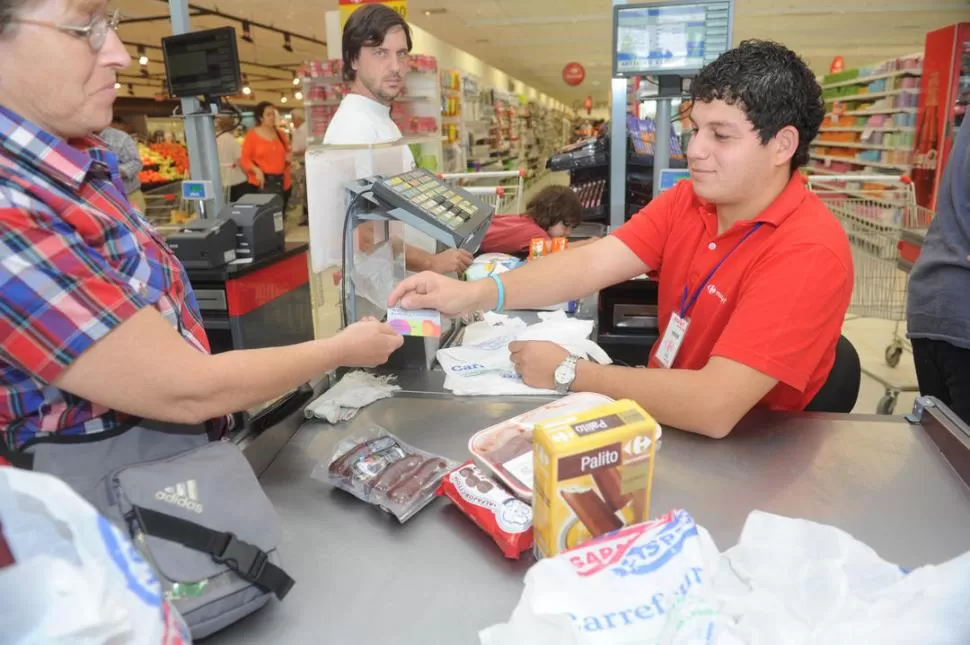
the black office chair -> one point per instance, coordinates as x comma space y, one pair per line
841, 388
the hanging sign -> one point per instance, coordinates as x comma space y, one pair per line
573, 74
838, 65
347, 7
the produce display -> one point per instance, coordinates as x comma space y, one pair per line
162, 163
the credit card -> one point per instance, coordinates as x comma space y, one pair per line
415, 322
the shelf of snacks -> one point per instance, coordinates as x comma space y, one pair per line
162, 163
870, 119
452, 127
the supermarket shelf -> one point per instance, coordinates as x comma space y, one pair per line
413, 99
824, 171
871, 196
869, 96
858, 162
862, 80
857, 146
894, 110
312, 103
449, 92
862, 128
451, 119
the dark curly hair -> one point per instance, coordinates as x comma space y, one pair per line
554, 204
772, 86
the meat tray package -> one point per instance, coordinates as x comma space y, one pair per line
593, 474
506, 519
505, 449
380, 469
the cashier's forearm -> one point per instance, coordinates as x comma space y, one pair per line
569, 275
417, 260
677, 398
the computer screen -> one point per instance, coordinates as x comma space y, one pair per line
202, 63
672, 37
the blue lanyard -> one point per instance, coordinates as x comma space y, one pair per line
686, 305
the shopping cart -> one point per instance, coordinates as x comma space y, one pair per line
164, 206
507, 201
876, 211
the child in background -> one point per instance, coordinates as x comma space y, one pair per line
554, 212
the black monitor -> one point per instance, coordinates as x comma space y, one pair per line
202, 63
675, 37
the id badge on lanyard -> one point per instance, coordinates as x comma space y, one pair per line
676, 331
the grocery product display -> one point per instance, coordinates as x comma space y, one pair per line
162, 163
870, 119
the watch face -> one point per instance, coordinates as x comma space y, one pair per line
564, 374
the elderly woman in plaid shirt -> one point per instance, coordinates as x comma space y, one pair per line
98, 322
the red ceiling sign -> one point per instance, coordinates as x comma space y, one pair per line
838, 65
573, 74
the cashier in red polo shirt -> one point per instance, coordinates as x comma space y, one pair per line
755, 274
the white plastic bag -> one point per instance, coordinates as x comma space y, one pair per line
620, 588
787, 582
484, 367
76, 578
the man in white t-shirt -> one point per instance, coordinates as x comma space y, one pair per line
376, 52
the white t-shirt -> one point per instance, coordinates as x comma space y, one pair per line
360, 120
299, 140
230, 152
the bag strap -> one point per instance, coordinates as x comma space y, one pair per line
16, 458
247, 560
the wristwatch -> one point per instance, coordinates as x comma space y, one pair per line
566, 374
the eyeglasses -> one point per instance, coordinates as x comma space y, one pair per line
96, 32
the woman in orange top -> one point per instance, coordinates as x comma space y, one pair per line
266, 155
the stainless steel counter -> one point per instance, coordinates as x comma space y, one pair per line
363, 578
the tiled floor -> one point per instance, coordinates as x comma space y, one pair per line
869, 336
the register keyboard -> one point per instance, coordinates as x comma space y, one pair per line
424, 195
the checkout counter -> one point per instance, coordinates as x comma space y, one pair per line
252, 287
363, 577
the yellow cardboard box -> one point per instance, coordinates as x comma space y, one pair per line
593, 473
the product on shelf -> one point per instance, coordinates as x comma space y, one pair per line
162, 163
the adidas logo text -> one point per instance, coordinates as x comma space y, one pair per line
184, 495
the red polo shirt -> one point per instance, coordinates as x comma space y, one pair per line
776, 304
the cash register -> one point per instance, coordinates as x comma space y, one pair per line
250, 228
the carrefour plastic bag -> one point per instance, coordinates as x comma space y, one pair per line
787, 582
74, 577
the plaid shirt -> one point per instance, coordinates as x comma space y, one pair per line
76, 260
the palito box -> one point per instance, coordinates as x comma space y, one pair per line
593, 474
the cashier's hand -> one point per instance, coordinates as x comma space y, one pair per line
430, 290
536, 362
452, 261
367, 343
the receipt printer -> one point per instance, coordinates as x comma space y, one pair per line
259, 219
205, 243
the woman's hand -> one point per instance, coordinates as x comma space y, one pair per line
367, 343
260, 177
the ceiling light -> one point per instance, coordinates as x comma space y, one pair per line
117, 85
296, 81
142, 57
298, 95
247, 32
435, 12
287, 44
283, 98
246, 90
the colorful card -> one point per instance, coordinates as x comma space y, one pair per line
416, 322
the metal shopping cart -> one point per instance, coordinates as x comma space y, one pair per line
876, 211
164, 206
507, 201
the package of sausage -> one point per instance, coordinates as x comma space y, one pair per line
380, 469
505, 518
